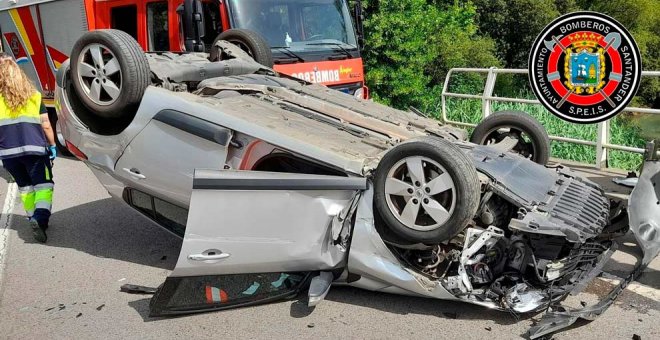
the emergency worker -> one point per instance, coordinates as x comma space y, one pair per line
27, 144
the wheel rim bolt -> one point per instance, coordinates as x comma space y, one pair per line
410, 190
417, 183
426, 201
415, 201
428, 190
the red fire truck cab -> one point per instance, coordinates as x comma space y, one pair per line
314, 40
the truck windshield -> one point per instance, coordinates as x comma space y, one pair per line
297, 25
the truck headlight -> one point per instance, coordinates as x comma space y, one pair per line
359, 93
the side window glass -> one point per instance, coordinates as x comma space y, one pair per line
212, 23
125, 18
323, 22
142, 202
167, 215
170, 216
157, 26
206, 293
276, 25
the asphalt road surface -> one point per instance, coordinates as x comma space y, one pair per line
69, 287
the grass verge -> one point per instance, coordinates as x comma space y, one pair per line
626, 129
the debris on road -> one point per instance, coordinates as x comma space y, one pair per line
137, 289
100, 307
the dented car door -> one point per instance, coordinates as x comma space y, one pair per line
256, 236
180, 142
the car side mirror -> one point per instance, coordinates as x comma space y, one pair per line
192, 20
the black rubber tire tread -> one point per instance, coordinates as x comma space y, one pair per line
521, 120
258, 46
133, 64
459, 167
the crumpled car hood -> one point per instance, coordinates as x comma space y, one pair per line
644, 219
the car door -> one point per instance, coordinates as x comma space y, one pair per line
254, 237
161, 159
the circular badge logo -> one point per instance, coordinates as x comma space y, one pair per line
585, 67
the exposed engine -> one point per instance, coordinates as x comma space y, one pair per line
523, 250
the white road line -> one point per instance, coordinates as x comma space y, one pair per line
638, 288
5, 222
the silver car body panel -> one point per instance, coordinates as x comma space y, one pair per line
244, 219
178, 153
644, 210
378, 268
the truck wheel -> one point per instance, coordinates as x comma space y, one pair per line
426, 190
109, 72
533, 141
249, 41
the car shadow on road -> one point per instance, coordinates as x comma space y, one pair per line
404, 305
384, 302
4, 174
107, 229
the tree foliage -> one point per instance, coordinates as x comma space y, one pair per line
642, 19
411, 44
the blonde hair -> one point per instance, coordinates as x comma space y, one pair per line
15, 87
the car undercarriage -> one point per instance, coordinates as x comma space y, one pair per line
383, 199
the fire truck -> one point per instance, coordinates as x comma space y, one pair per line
314, 40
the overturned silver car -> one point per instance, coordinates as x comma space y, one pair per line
277, 185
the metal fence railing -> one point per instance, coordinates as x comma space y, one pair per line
602, 142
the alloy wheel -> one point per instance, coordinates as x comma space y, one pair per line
420, 193
99, 74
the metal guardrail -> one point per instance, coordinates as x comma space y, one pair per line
602, 142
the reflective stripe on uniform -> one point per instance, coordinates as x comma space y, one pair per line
44, 186
43, 205
22, 119
38, 149
25, 189
43, 196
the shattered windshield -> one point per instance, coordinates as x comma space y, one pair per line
297, 25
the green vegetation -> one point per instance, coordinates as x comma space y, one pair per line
623, 131
411, 44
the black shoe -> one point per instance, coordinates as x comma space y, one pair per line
38, 233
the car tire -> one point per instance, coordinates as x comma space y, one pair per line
444, 207
109, 72
537, 148
249, 41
